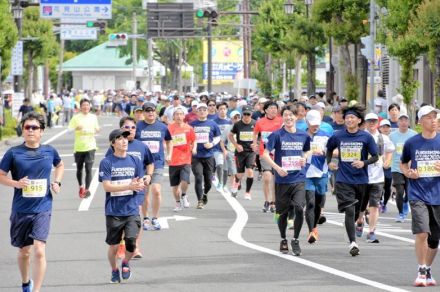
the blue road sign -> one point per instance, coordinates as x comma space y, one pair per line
87, 9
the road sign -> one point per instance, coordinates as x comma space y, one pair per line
99, 9
170, 19
74, 32
17, 59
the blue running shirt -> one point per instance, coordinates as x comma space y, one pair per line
205, 132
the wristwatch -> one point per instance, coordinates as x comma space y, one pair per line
57, 182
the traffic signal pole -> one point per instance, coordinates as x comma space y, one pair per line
209, 31
372, 35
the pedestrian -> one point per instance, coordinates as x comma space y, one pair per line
290, 148
420, 163
85, 124
122, 177
220, 151
30, 165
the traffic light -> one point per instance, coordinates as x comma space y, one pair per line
367, 50
117, 39
209, 13
99, 24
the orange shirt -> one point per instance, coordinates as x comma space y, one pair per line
265, 127
182, 138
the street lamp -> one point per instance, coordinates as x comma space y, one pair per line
289, 7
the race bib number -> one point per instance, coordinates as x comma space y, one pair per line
316, 147
399, 148
154, 146
37, 188
264, 136
426, 169
350, 154
246, 136
122, 193
202, 138
291, 163
87, 132
179, 139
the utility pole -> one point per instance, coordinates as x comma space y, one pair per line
134, 49
246, 42
373, 36
60, 68
150, 64
18, 16
311, 58
209, 31
179, 81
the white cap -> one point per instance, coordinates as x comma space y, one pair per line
427, 109
200, 105
163, 97
371, 116
194, 102
313, 117
179, 108
321, 105
234, 113
403, 115
262, 100
384, 122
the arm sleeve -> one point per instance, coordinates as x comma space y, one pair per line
406, 153
307, 144
331, 145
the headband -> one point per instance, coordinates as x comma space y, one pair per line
352, 112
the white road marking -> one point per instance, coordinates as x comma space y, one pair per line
56, 136
235, 236
85, 203
163, 221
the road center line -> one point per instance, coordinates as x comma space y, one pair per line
56, 136
235, 236
85, 203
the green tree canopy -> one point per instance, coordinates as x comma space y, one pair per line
8, 38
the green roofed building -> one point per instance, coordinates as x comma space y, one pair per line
102, 68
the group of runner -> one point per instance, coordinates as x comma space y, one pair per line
297, 152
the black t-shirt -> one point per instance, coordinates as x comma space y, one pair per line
257, 115
337, 127
244, 134
24, 109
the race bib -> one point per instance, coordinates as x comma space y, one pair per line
202, 138
37, 188
426, 169
122, 193
399, 148
246, 136
264, 136
350, 154
316, 147
87, 132
291, 163
154, 146
179, 139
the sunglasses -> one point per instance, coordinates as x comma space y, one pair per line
129, 127
29, 127
246, 114
149, 110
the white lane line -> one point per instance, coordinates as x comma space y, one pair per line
56, 136
234, 235
85, 203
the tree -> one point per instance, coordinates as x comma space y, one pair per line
426, 26
342, 20
8, 38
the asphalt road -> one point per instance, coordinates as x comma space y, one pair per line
228, 246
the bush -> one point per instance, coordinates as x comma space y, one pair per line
10, 125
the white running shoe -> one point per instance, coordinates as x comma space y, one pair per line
185, 201
354, 249
247, 196
178, 207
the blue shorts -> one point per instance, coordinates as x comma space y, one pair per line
317, 185
25, 228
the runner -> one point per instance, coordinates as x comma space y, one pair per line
385, 129
263, 128
30, 165
212, 109
376, 179
353, 147
203, 161
244, 155
423, 173
183, 138
316, 173
230, 168
122, 177
85, 124
400, 182
154, 133
393, 115
220, 151
290, 147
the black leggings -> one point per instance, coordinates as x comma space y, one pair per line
387, 190
84, 158
202, 169
299, 219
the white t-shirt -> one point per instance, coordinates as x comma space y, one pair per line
375, 171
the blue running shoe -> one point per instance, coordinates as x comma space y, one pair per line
29, 287
116, 277
400, 218
359, 229
126, 272
371, 238
405, 209
155, 223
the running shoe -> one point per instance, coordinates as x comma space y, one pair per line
359, 229
219, 187
185, 202
214, 180
296, 249
354, 249
81, 193
234, 186
260, 176
121, 250
205, 199
420, 281
400, 218
266, 207
272, 207
86, 193
382, 207
125, 271
137, 255
115, 278
429, 279
178, 207
247, 196
405, 209
284, 247
29, 287
290, 224
233, 194
147, 224
371, 238
155, 223
322, 219
313, 236
200, 205
225, 189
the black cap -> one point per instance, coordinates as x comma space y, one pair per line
137, 108
233, 98
148, 105
115, 134
246, 109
